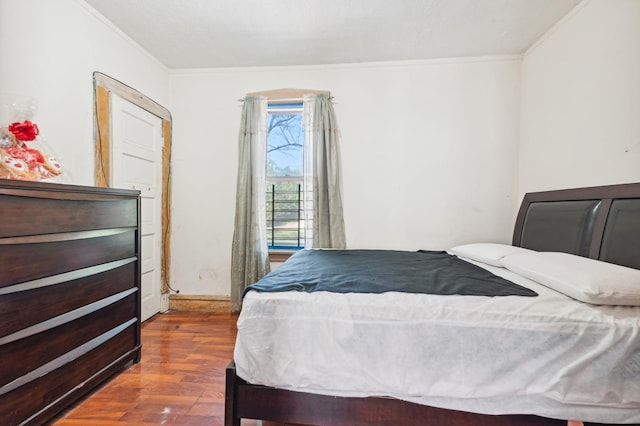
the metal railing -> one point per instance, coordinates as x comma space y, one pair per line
285, 216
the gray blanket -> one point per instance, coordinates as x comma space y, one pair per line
380, 271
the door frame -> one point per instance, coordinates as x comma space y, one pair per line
104, 85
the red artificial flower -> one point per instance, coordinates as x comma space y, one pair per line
25, 131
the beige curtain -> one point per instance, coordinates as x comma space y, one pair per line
249, 255
324, 221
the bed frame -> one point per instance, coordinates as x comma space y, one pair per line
598, 222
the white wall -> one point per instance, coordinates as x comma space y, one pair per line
429, 153
580, 112
430, 149
419, 139
49, 50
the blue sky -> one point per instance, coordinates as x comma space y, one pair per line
289, 157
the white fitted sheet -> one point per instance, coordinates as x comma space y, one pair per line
548, 355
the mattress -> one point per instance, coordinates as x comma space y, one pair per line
548, 355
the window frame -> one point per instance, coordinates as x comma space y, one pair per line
282, 107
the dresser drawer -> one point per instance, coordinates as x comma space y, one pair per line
20, 358
48, 392
26, 308
33, 216
33, 260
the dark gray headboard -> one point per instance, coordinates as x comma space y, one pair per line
601, 222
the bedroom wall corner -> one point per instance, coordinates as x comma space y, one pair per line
581, 100
49, 51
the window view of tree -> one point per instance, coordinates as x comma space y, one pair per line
285, 145
285, 149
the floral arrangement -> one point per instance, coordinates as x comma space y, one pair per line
23, 155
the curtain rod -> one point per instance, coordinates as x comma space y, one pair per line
282, 101
288, 94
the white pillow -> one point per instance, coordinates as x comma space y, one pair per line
584, 279
489, 253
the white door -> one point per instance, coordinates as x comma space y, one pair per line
136, 163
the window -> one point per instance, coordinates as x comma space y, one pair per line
285, 163
323, 223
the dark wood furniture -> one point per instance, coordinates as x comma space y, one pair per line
598, 222
69, 294
601, 222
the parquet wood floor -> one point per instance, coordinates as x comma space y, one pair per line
180, 380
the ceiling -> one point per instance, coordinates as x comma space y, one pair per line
239, 33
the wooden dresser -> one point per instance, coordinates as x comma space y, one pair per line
69, 294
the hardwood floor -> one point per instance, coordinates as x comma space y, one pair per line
180, 380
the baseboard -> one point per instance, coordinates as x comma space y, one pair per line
218, 304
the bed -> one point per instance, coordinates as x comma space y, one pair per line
572, 352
